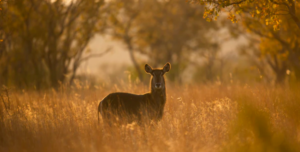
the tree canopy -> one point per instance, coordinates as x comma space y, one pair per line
44, 41
164, 31
270, 11
275, 27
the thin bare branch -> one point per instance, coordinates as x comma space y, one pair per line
95, 55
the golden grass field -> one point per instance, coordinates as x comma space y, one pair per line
196, 118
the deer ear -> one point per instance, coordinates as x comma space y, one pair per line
167, 67
148, 68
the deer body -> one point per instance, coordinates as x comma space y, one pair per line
136, 107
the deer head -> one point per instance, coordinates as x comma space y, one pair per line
157, 81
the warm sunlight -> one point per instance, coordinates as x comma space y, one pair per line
149, 75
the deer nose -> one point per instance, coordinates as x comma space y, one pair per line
157, 85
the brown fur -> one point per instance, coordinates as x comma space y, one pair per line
134, 107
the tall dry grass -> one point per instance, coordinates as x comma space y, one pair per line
196, 118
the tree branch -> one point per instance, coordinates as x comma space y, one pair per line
271, 64
95, 55
291, 11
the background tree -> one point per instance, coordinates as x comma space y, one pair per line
164, 31
268, 11
43, 40
123, 14
278, 48
276, 25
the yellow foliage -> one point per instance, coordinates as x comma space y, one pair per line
268, 46
261, 9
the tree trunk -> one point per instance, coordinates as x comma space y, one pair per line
53, 79
292, 12
75, 67
280, 76
136, 66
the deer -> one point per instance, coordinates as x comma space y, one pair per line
135, 107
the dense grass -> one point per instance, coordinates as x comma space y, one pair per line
196, 118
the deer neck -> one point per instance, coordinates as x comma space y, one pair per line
159, 95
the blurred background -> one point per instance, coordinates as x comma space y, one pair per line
233, 85
51, 42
